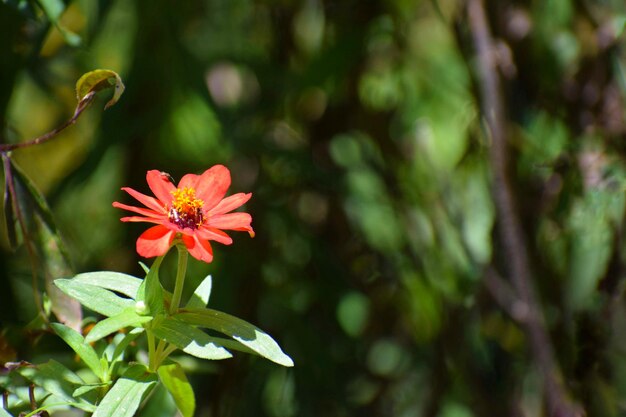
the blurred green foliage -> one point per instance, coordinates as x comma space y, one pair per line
356, 127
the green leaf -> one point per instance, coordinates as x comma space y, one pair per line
57, 380
200, 297
190, 339
121, 347
82, 348
95, 298
98, 80
88, 388
174, 379
114, 281
151, 292
4, 413
112, 324
240, 330
127, 393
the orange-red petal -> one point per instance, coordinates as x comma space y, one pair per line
199, 249
212, 185
147, 201
139, 219
160, 186
139, 210
155, 241
232, 221
230, 203
217, 235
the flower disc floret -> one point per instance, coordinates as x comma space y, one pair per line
186, 210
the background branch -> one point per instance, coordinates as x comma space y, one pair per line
510, 229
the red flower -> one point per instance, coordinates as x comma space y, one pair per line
196, 211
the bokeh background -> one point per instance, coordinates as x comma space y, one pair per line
357, 127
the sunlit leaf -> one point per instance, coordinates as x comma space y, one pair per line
114, 281
94, 298
240, 330
76, 341
189, 339
200, 297
174, 379
112, 324
127, 393
97, 80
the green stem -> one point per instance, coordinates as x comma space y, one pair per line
165, 353
180, 277
151, 350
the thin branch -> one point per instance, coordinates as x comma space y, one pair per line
510, 228
82, 105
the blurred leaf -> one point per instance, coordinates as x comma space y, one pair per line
58, 380
591, 246
353, 312
200, 297
66, 309
97, 80
82, 348
94, 298
189, 339
9, 215
53, 10
127, 393
240, 330
174, 379
105, 327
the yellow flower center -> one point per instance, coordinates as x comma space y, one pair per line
186, 210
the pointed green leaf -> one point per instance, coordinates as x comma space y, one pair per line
189, 339
174, 379
121, 347
112, 324
94, 298
76, 341
4, 413
98, 80
127, 393
151, 292
57, 380
240, 330
114, 281
200, 297
89, 388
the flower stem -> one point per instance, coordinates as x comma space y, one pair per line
180, 277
